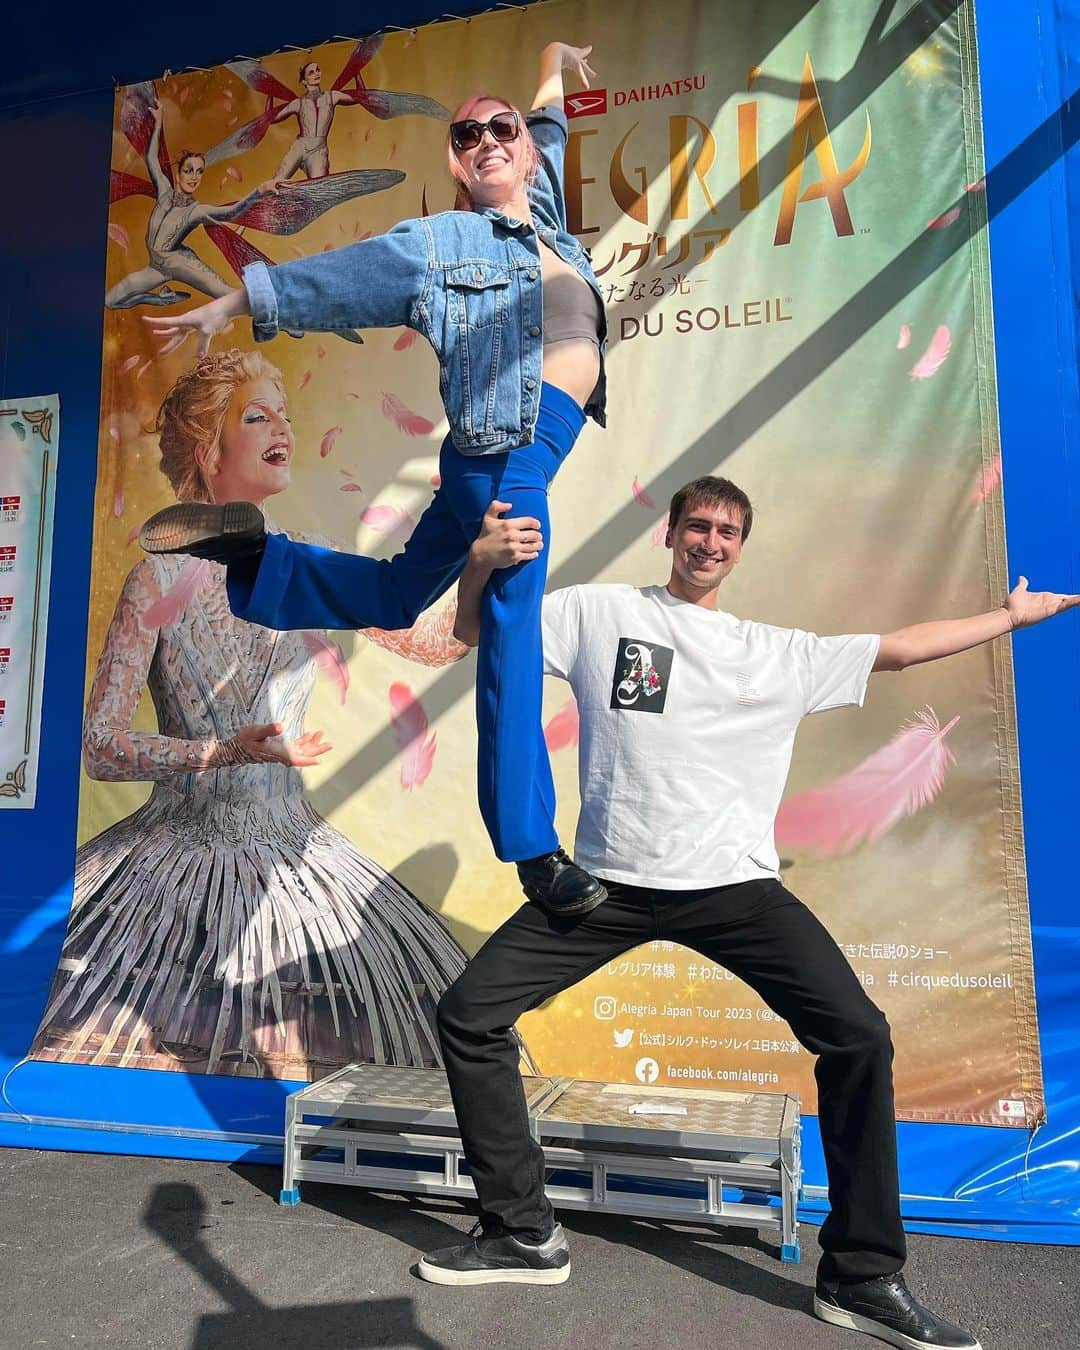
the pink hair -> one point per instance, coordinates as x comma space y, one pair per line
530, 158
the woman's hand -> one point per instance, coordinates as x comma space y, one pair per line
207, 320
554, 59
504, 543
573, 58
266, 744
156, 113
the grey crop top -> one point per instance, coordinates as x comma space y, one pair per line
571, 306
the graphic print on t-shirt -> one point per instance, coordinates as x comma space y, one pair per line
642, 675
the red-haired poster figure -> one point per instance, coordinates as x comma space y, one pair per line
225, 927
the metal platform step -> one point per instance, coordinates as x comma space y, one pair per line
691, 1154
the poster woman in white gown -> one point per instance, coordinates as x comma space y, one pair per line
225, 927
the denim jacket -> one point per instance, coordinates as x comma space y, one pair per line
469, 281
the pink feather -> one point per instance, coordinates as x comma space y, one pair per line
931, 359
130, 363
978, 186
389, 520
904, 340
304, 379
659, 532
179, 595
327, 442
118, 501
410, 727
118, 234
989, 479
641, 496
320, 351
406, 340
351, 487
946, 219
564, 727
329, 661
412, 424
893, 782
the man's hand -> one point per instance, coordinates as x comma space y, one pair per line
265, 744
504, 543
156, 113
271, 186
1026, 607
500, 543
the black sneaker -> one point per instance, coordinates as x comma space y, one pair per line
500, 1260
886, 1308
559, 886
222, 533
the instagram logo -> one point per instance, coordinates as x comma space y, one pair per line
604, 1008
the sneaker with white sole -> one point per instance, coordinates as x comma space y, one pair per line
886, 1308
502, 1259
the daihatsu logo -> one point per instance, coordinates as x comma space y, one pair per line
586, 103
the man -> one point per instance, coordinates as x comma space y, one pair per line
688, 718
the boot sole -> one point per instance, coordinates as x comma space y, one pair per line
178, 529
513, 1275
565, 911
839, 1317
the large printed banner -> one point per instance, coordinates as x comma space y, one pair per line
29, 443
786, 213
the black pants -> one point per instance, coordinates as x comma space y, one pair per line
763, 935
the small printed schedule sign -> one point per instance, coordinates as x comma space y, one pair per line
29, 440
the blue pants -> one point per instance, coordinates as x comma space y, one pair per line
304, 586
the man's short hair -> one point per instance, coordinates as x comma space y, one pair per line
711, 491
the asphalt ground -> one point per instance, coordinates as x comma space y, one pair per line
166, 1254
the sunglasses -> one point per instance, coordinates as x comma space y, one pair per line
467, 135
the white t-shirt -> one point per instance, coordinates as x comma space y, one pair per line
688, 719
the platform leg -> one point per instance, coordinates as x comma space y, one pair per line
290, 1191
791, 1252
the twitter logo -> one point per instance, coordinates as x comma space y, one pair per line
622, 1038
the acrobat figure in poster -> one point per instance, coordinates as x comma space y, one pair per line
688, 720
225, 927
508, 299
315, 108
177, 211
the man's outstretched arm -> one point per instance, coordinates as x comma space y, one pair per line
945, 637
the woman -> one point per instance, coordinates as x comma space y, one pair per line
507, 298
225, 927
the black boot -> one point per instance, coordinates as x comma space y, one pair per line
224, 534
885, 1308
559, 886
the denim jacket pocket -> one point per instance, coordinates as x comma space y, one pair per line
477, 294
479, 301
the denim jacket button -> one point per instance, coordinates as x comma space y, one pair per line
531, 275
530, 384
534, 331
478, 276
